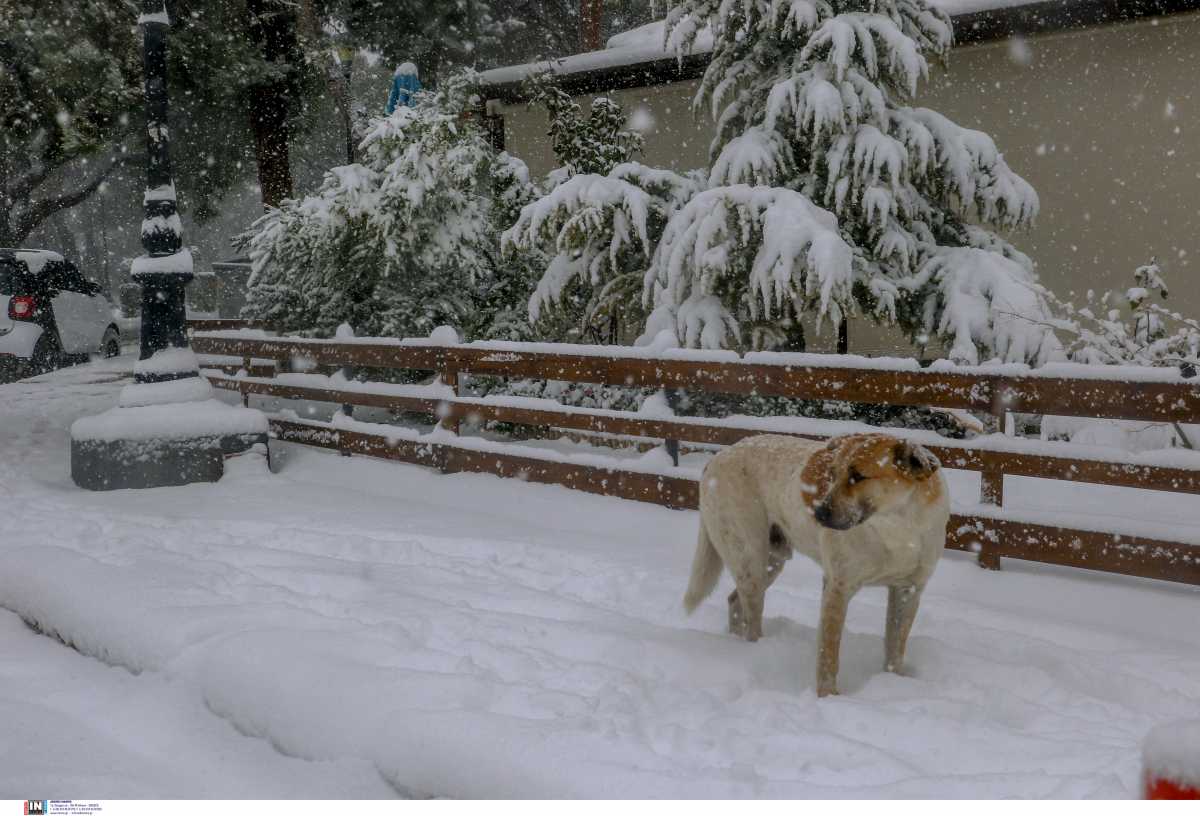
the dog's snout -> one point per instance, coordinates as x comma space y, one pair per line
829, 515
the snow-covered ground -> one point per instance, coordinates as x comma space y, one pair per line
357, 628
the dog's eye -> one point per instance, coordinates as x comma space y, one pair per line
855, 477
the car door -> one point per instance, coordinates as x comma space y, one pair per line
63, 304
10, 285
72, 308
99, 314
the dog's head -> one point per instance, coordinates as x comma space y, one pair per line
854, 477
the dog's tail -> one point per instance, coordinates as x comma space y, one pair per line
706, 571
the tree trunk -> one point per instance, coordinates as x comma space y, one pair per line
591, 19
269, 118
273, 30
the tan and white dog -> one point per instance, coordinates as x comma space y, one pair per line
871, 509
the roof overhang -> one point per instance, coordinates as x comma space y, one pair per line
598, 71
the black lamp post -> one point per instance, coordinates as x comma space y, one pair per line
166, 429
166, 268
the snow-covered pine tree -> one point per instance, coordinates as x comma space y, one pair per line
399, 244
595, 143
828, 193
598, 145
502, 296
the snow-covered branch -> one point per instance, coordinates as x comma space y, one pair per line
765, 249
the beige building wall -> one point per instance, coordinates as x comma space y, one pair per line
1104, 122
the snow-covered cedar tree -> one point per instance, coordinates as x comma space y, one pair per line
1126, 328
603, 305
598, 218
502, 297
595, 143
402, 242
828, 193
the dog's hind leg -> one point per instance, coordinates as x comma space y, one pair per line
778, 554
737, 621
751, 594
901, 612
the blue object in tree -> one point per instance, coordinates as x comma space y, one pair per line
405, 84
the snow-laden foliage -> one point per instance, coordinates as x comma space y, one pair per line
762, 249
984, 299
595, 143
816, 97
814, 109
1126, 328
599, 232
598, 221
403, 241
501, 298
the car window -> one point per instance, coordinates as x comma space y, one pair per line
52, 276
65, 277
12, 279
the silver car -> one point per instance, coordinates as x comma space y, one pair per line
50, 313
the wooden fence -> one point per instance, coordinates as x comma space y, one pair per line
989, 529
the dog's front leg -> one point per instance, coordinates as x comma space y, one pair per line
901, 612
834, 600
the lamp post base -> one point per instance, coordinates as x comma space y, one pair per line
123, 464
163, 433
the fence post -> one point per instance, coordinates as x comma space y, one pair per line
450, 421
673, 396
344, 332
347, 408
991, 491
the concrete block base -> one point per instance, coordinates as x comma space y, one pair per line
122, 464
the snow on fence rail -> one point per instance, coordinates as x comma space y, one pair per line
988, 529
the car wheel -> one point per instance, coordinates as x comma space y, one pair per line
112, 343
47, 356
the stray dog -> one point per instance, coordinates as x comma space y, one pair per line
869, 508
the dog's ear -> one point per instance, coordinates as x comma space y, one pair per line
817, 477
914, 460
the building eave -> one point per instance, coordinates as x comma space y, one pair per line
1030, 19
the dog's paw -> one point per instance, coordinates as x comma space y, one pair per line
827, 686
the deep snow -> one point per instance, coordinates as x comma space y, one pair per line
385, 629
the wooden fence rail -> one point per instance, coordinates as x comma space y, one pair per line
1152, 401
990, 531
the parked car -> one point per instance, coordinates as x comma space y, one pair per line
50, 313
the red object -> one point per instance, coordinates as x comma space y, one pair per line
1166, 789
20, 307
